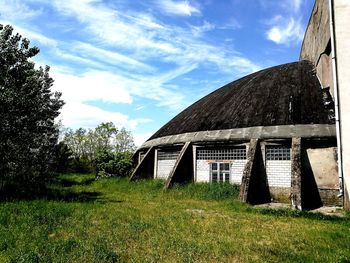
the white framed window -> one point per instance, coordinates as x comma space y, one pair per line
220, 172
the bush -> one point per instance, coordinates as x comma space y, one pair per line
113, 164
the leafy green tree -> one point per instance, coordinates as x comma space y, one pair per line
28, 109
91, 148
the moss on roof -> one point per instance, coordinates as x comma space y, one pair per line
281, 95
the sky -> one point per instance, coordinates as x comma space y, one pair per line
139, 63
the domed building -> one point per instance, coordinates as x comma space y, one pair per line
274, 132
269, 132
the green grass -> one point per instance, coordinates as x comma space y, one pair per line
113, 220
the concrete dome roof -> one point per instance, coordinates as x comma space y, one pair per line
282, 95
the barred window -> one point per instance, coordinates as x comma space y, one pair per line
222, 154
162, 155
277, 153
219, 172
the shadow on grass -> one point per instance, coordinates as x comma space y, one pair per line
68, 195
53, 194
66, 182
285, 212
59, 189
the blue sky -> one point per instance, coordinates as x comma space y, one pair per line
139, 63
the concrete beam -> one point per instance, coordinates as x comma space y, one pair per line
183, 168
259, 132
296, 174
145, 168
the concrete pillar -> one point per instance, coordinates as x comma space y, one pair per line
296, 174
248, 169
145, 168
183, 168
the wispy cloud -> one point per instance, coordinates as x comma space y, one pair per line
286, 32
286, 28
199, 30
109, 57
182, 8
78, 114
17, 10
31, 34
116, 56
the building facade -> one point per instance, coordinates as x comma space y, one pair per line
274, 132
326, 44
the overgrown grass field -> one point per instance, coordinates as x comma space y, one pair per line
114, 220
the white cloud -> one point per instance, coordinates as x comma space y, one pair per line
77, 91
140, 138
77, 114
182, 8
285, 29
91, 86
17, 10
287, 32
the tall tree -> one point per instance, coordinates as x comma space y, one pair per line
28, 109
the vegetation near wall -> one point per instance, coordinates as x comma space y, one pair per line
28, 109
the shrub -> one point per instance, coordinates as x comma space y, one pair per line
113, 164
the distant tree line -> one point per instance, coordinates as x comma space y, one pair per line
105, 150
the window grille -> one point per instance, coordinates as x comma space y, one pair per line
277, 153
219, 172
222, 154
168, 155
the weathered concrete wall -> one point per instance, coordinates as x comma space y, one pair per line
280, 194
259, 132
317, 33
324, 169
316, 44
329, 197
342, 35
323, 163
